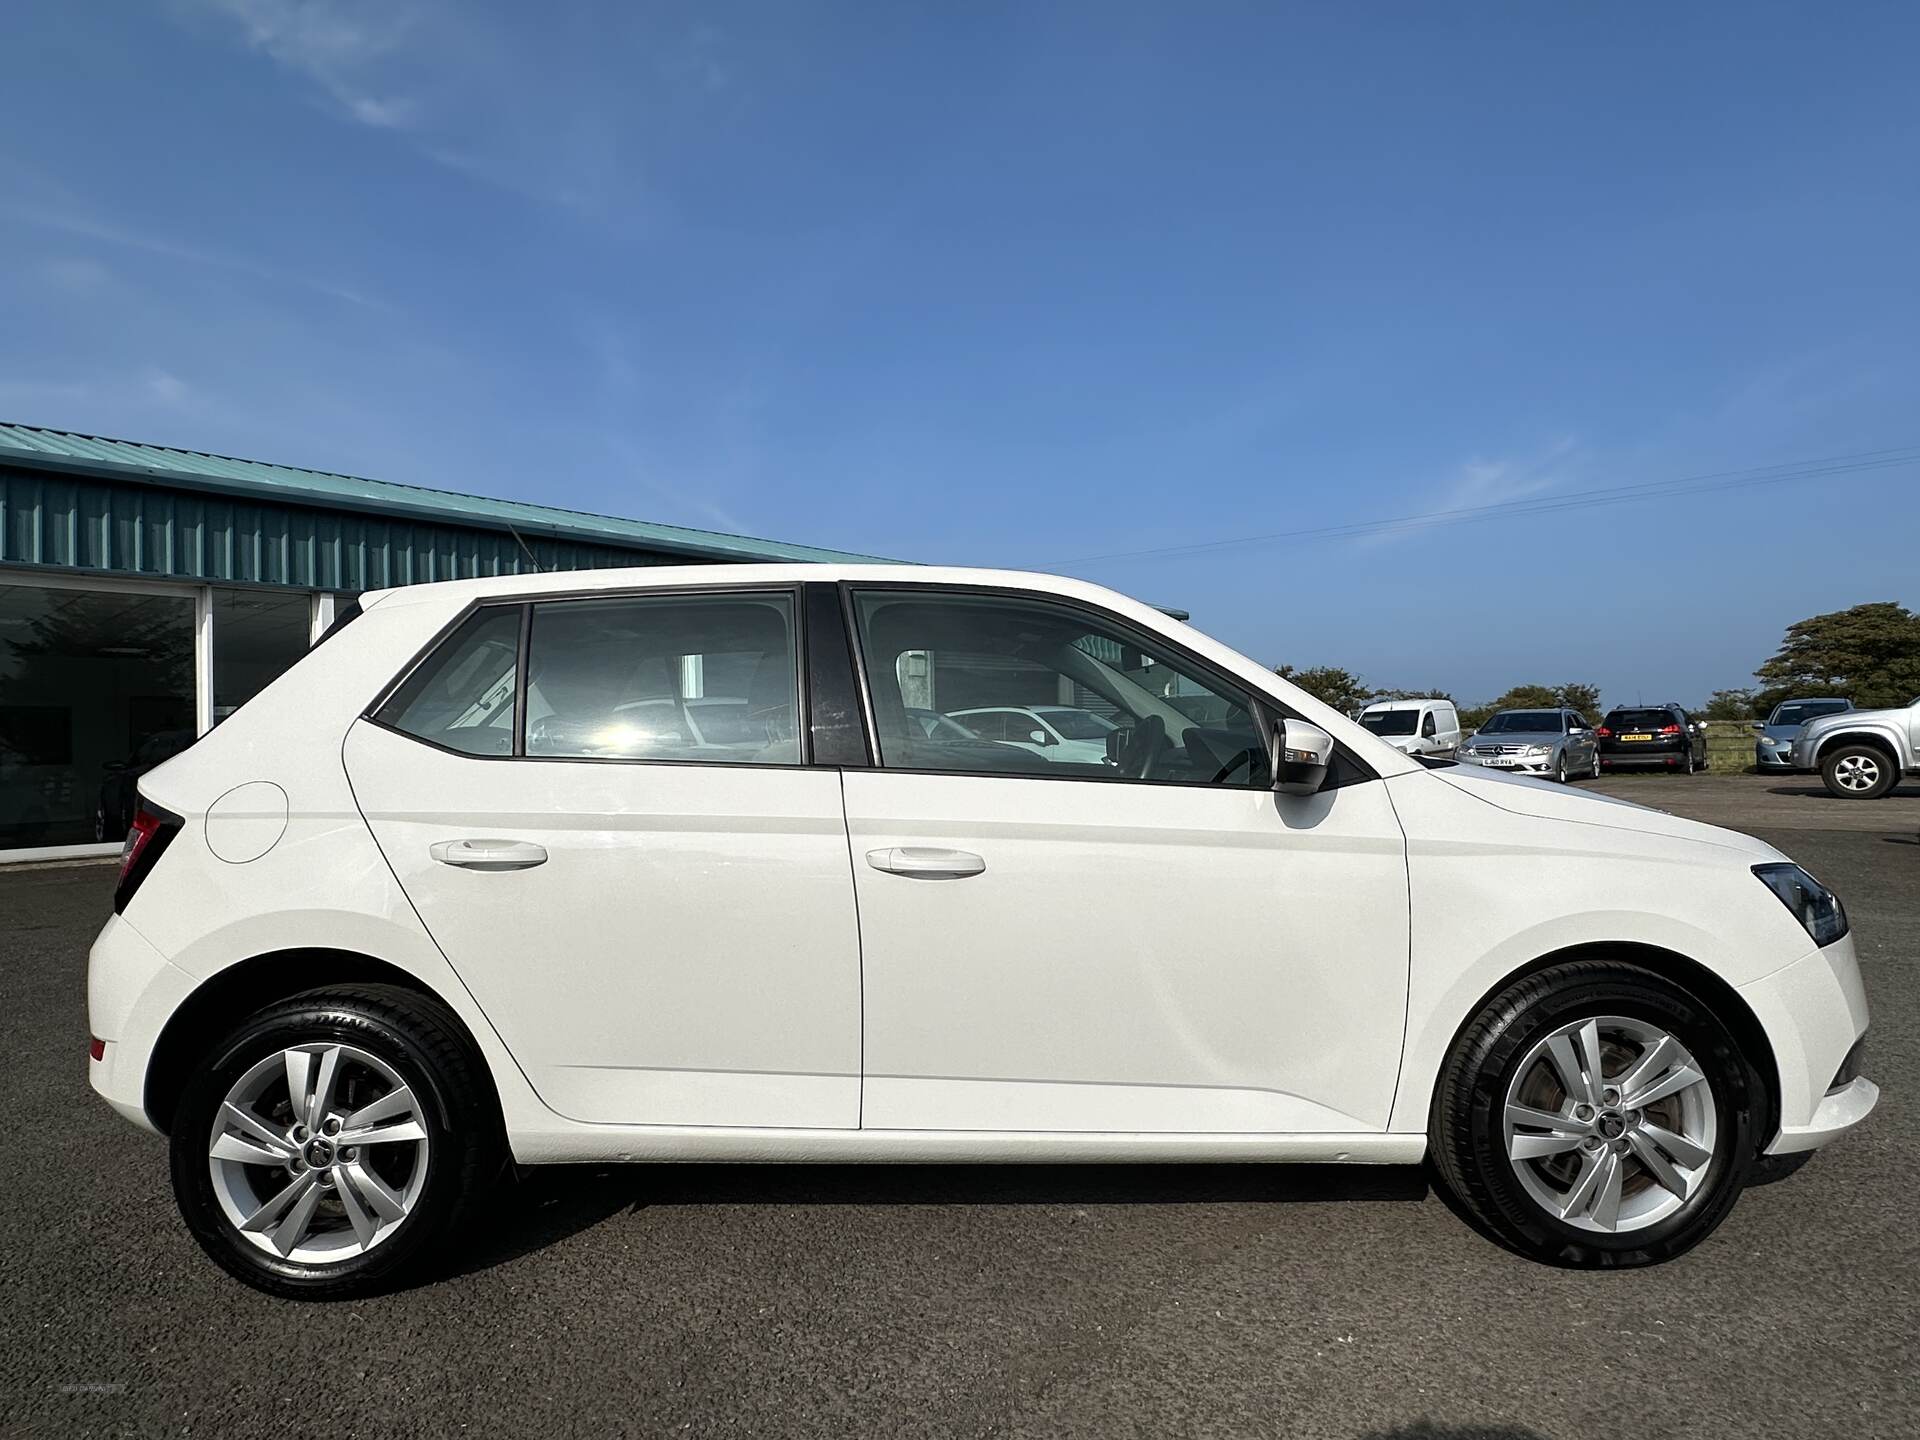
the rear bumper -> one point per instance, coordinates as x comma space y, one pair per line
132, 991
1648, 759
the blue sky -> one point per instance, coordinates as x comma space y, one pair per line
1024, 284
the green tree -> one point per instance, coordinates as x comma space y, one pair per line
1342, 689
1573, 695
1870, 654
1730, 705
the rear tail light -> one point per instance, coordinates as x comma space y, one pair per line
152, 831
1604, 733
96, 1048
1669, 729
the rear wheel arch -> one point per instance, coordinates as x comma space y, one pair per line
1677, 969
225, 999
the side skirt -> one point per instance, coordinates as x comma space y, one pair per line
632, 1144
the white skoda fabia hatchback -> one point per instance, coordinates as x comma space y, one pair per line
668, 864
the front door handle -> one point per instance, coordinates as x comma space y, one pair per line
925, 863
489, 854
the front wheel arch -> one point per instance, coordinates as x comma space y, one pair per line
225, 999
1677, 969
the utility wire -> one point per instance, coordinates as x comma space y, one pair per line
1858, 462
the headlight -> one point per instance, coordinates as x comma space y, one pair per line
1538, 750
1812, 904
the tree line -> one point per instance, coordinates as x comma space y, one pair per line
1869, 654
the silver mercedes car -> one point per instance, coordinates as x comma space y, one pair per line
1557, 743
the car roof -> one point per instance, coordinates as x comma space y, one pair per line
1406, 704
684, 577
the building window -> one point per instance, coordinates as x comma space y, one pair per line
257, 634
93, 685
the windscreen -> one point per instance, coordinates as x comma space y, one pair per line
1798, 712
1517, 722
1640, 719
1391, 722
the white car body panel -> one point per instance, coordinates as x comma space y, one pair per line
687, 955
1266, 980
1135, 956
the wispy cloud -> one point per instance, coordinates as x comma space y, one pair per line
1481, 482
145, 241
339, 44
452, 83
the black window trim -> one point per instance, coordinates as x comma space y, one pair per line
1261, 708
793, 590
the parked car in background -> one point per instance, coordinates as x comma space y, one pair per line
1057, 732
1559, 743
1861, 754
385, 933
1652, 737
936, 726
1773, 747
113, 809
1415, 727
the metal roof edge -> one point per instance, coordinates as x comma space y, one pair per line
549, 524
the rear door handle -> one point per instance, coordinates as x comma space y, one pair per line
489, 854
925, 863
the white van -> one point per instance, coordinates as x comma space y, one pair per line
1417, 727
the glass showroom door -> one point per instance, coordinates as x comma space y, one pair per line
96, 686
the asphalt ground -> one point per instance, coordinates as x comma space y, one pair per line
1113, 1300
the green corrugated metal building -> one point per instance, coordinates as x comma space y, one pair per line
146, 591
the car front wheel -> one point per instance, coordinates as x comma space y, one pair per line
1595, 1115
332, 1141
1858, 772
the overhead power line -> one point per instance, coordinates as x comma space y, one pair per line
1856, 463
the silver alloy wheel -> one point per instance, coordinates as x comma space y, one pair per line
1609, 1124
1856, 772
318, 1153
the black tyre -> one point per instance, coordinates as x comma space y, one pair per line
1858, 772
1560, 770
334, 1140
1631, 1165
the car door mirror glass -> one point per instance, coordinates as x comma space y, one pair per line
1040, 737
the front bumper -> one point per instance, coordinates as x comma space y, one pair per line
1773, 757
1814, 1011
132, 991
1513, 764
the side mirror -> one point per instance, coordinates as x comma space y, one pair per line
1298, 755
1041, 737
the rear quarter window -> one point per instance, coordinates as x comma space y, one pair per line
461, 697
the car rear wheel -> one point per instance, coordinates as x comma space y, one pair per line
1595, 1115
1858, 772
333, 1141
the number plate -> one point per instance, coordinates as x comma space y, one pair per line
1636, 737
1500, 760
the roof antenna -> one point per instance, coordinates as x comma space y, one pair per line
527, 550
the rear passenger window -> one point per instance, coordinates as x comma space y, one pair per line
461, 696
667, 677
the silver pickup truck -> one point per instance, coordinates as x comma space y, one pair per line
1861, 754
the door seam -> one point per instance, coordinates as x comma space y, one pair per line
859, 950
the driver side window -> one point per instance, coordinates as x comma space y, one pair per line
1117, 704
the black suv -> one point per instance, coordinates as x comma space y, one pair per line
1651, 737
